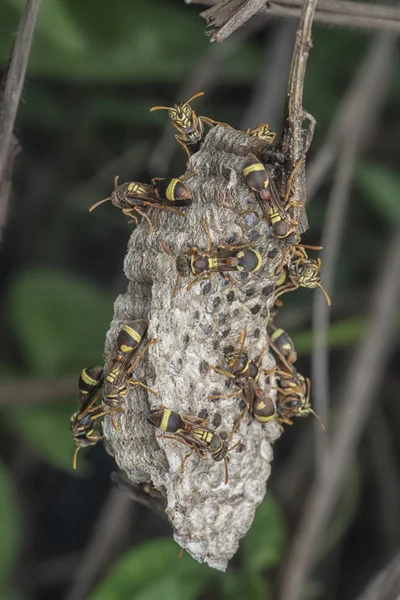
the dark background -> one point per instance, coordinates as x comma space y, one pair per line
95, 70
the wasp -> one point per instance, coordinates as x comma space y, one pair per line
293, 390
293, 397
193, 432
90, 380
120, 376
190, 127
133, 197
263, 132
258, 178
282, 344
245, 372
302, 272
85, 423
224, 259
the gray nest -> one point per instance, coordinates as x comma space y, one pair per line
194, 330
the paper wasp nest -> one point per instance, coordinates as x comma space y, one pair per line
194, 330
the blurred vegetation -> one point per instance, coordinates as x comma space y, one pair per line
94, 72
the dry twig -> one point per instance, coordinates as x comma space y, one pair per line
332, 12
370, 93
107, 541
229, 15
363, 378
12, 88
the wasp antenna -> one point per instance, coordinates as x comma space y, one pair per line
160, 108
194, 96
96, 204
166, 249
325, 294
320, 421
74, 459
311, 247
116, 179
226, 469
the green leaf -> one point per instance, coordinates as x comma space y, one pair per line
381, 188
263, 545
153, 571
59, 320
46, 430
9, 527
343, 333
242, 586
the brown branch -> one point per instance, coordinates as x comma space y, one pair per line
12, 88
370, 94
107, 541
363, 378
292, 139
229, 15
337, 12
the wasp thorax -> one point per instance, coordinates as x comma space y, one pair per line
182, 265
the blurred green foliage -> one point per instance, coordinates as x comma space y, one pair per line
9, 527
76, 103
153, 570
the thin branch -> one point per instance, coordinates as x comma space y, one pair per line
363, 378
371, 88
386, 585
292, 140
229, 15
10, 97
109, 537
335, 12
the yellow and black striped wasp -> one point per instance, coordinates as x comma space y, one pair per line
262, 132
190, 127
274, 209
223, 260
120, 375
193, 432
86, 422
282, 344
245, 373
90, 380
133, 197
293, 397
301, 272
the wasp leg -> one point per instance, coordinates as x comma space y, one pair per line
131, 382
147, 346
185, 459
202, 277
219, 396
143, 214
182, 143
207, 232
222, 372
289, 184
